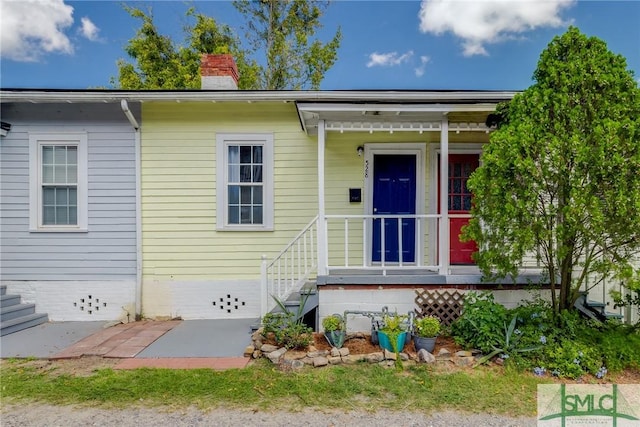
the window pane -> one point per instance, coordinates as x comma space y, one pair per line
257, 173
234, 156
48, 215
61, 215
234, 173
73, 196
60, 175
47, 173
245, 173
257, 195
245, 154
73, 215
466, 203
48, 196
61, 196
245, 195
47, 155
72, 155
457, 204
234, 215
257, 154
257, 215
72, 174
60, 155
457, 186
245, 215
234, 194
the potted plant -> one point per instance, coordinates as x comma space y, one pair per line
334, 330
425, 332
392, 334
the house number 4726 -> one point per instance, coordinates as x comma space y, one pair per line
366, 168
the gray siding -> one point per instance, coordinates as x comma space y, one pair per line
108, 250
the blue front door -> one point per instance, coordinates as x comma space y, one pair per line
394, 193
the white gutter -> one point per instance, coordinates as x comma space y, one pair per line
374, 96
136, 126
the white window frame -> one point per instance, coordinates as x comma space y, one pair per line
36, 142
223, 141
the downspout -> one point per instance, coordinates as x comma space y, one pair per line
136, 127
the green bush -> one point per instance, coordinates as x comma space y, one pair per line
481, 323
571, 359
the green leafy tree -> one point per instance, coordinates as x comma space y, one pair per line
158, 63
561, 174
284, 30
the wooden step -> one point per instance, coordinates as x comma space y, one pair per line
16, 310
9, 300
21, 323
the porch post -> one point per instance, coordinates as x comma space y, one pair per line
443, 243
322, 228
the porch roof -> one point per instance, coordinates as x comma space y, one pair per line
394, 117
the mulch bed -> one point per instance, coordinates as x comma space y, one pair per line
361, 344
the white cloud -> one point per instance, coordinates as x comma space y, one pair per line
423, 64
482, 22
33, 27
388, 59
89, 29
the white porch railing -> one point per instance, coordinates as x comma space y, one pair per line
291, 268
349, 239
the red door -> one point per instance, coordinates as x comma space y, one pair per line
460, 168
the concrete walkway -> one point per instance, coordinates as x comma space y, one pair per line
176, 344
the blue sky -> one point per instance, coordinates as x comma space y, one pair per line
429, 44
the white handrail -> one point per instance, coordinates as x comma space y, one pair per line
288, 271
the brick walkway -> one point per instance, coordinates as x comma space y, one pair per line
125, 341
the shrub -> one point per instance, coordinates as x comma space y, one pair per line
481, 323
427, 327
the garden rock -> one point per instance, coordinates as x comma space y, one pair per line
320, 353
463, 354
464, 361
320, 361
248, 351
335, 352
426, 357
375, 357
275, 356
335, 360
444, 352
268, 348
344, 351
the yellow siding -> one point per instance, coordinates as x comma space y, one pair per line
180, 241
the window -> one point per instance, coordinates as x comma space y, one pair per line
58, 182
245, 181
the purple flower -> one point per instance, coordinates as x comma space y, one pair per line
539, 371
543, 339
601, 372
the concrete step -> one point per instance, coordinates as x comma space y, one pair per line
17, 310
9, 300
20, 323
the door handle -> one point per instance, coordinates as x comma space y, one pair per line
375, 210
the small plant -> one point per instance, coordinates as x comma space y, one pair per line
481, 322
288, 328
334, 322
394, 326
509, 343
427, 327
334, 330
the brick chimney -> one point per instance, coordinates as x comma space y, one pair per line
218, 72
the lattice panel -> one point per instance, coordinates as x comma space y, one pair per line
445, 304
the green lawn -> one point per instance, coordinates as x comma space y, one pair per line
262, 386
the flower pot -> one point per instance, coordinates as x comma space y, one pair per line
383, 340
423, 343
335, 338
